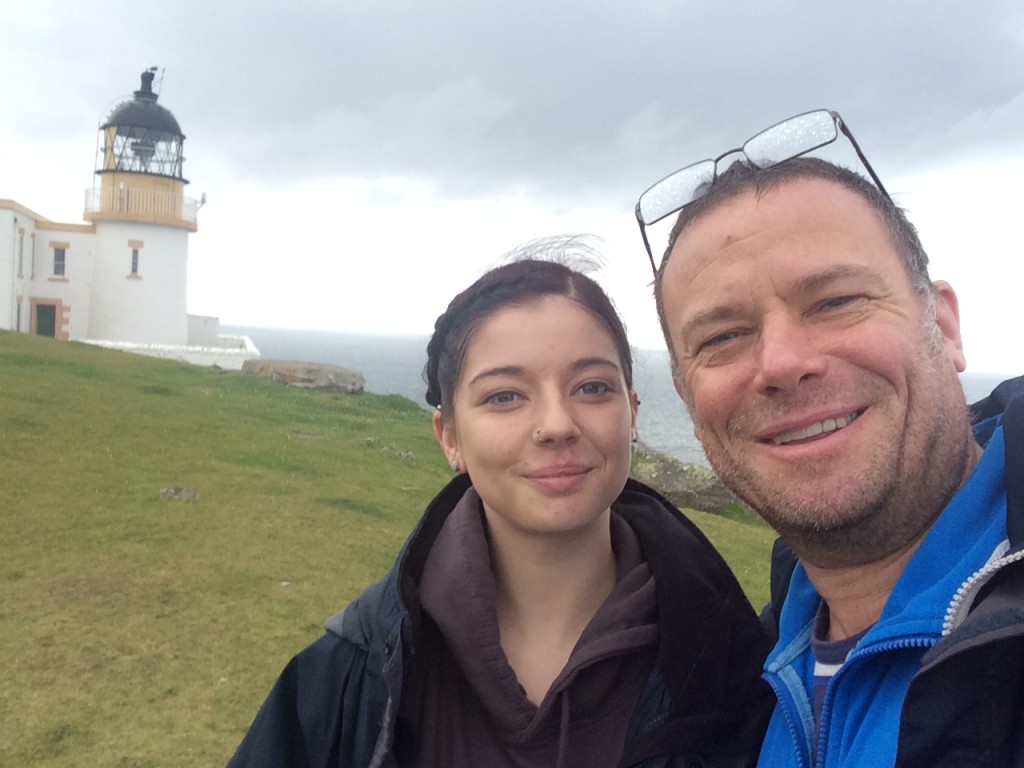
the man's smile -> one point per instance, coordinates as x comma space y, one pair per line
814, 429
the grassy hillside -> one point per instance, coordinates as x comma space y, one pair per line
137, 630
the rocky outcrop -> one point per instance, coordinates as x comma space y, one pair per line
685, 485
307, 375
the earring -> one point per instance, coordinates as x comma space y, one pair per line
455, 466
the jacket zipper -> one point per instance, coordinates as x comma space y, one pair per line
785, 695
955, 614
826, 706
962, 600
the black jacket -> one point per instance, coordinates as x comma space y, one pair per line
337, 702
966, 705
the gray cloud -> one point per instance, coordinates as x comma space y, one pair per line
577, 100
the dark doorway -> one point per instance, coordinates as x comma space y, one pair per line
46, 320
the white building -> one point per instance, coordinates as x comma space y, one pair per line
118, 280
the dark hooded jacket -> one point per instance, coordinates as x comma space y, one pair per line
337, 703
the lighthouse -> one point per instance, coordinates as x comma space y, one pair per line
143, 221
119, 280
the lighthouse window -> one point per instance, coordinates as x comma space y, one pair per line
135, 246
59, 255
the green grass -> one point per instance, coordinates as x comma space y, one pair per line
137, 630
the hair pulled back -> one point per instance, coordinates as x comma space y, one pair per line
524, 278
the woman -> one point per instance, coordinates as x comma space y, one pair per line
546, 610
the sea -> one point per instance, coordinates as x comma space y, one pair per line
394, 365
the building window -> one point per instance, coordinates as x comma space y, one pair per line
136, 248
21, 252
60, 253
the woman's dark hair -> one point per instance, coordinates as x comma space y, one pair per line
515, 283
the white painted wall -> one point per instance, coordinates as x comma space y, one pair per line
35, 277
107, 307
8, 266
204, 331
230, 355
150, 310
75, 290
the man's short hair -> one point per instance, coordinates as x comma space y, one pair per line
741, 177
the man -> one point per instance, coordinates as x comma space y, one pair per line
819, 364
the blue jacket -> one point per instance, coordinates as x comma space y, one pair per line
939, 679
337, 701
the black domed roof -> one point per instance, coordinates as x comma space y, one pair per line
144, 112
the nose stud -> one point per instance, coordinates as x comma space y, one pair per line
568, 435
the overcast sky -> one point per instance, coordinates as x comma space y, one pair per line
364, 160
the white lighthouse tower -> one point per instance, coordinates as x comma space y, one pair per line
142, 221
120, 279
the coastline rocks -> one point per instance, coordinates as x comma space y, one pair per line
689, 486
333, 378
